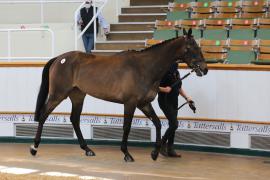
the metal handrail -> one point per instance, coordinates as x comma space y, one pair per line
40, 1
77, 37
9, 57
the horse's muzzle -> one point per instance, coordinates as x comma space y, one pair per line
201, 72
205, 71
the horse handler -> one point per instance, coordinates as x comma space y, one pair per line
168, 102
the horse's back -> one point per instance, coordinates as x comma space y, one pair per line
109, 78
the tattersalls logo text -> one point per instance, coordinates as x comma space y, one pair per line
209, 126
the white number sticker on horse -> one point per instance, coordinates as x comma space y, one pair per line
63, 61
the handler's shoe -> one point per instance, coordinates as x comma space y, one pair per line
163, 149
171, 153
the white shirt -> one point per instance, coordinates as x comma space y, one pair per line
101, 20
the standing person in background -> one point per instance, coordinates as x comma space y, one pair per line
168, 102
84, 17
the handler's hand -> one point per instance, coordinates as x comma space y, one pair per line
188, 99
106, 31
192, 106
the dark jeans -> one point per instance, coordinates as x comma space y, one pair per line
168, 105
88, 41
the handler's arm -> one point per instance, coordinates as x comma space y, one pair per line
184, 95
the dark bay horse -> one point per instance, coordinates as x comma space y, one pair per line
131, 78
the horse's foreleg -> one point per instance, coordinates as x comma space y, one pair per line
128, 115
45, 112
150, 113
77, 98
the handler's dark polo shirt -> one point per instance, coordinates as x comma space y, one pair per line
168, 79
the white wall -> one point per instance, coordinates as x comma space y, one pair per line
236, 95
53, 12
32, 44
58, 17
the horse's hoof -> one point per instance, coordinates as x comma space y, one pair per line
128, 158
33, 150
154, 155
90, 153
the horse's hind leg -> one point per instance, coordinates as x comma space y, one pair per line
150, 113
77, 98
129, 110
46, 110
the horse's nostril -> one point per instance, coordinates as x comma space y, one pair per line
205, 71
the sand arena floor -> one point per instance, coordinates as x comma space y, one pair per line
69, 162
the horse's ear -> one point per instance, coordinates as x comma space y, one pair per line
189, 32
184, 32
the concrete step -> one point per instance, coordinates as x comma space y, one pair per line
105, 52
120, 45
149, 2
129, 35
144, 9
132, 26
141, 17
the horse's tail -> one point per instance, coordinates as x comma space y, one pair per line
44, 89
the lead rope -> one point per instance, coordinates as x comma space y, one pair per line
190, 103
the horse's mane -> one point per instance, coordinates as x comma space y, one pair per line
148, 48
157, 45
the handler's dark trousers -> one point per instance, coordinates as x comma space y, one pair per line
169, 106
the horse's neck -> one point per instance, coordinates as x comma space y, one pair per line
161, 58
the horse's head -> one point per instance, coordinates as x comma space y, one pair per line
192, 54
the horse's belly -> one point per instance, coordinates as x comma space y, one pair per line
107, 96
149, 97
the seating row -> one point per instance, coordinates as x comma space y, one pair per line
218, 9
232, 51
215, 29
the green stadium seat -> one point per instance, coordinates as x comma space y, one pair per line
241, 34
164, 34
183, 1
177, 15
242, 29
240, 57
205, 1
241, 51
263, 34
214, 34
230, 0
215, 29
